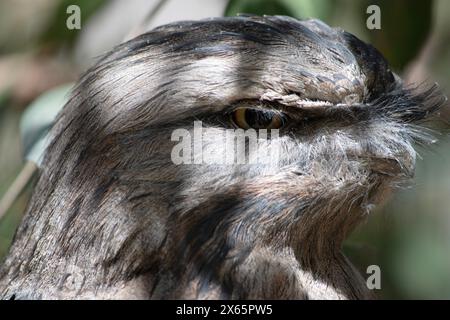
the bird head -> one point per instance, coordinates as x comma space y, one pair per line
334, 132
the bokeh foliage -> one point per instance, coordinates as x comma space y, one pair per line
54, 34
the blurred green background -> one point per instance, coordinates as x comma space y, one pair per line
409, 239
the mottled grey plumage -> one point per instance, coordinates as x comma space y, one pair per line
113, 217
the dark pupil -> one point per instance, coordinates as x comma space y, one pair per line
258, 119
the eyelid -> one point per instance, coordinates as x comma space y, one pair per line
255, 106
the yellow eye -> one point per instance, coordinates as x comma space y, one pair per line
247, 118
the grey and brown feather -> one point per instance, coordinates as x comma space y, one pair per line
113, 217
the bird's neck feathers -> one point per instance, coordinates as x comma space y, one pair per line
99, 230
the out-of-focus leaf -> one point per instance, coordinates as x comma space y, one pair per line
4, 98
259, 7
38, 119
405, 25
295, 8
421, 264
320, 9
58, 31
